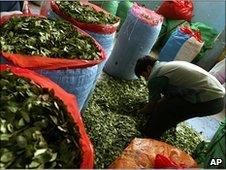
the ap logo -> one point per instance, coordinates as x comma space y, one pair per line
216, 162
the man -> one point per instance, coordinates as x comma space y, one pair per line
178, 90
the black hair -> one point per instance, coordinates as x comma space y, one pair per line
143, 63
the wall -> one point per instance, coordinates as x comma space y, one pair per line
210, 12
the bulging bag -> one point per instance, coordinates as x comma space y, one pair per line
74, 75
177, 9
184, 44
136, 38
141, 153
104, 34
68, 100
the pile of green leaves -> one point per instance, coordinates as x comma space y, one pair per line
108, 123
200, 153
184, 138
45, 37
85, 13
36, 131
111, 126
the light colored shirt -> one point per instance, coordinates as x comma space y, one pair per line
181, 78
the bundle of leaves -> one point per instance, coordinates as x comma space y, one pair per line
46, 37
111, 124
85, 13
36, 131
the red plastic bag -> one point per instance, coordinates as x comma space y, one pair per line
164, 162
177, 9
72, 108
39, 62
92, 27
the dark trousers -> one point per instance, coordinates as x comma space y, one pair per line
171, 111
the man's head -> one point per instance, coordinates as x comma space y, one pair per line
144, 66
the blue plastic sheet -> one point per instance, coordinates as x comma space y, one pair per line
107, 43
75, 81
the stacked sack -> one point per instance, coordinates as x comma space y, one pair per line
54, 48
136, 38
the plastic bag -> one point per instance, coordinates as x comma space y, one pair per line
177, 9
164, 162
218, 71
184, 44
216, 150
141, 153
209, 35
168, 27
135, 39
123, 9
72, 107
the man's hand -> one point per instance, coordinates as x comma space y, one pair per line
136, 107
148, 108
10, 13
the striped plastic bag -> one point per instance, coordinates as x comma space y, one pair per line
184, 44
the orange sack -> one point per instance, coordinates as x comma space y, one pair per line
141, 153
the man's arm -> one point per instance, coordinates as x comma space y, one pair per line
155, 86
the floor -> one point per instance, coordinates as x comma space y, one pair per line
205, 125
208, 125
